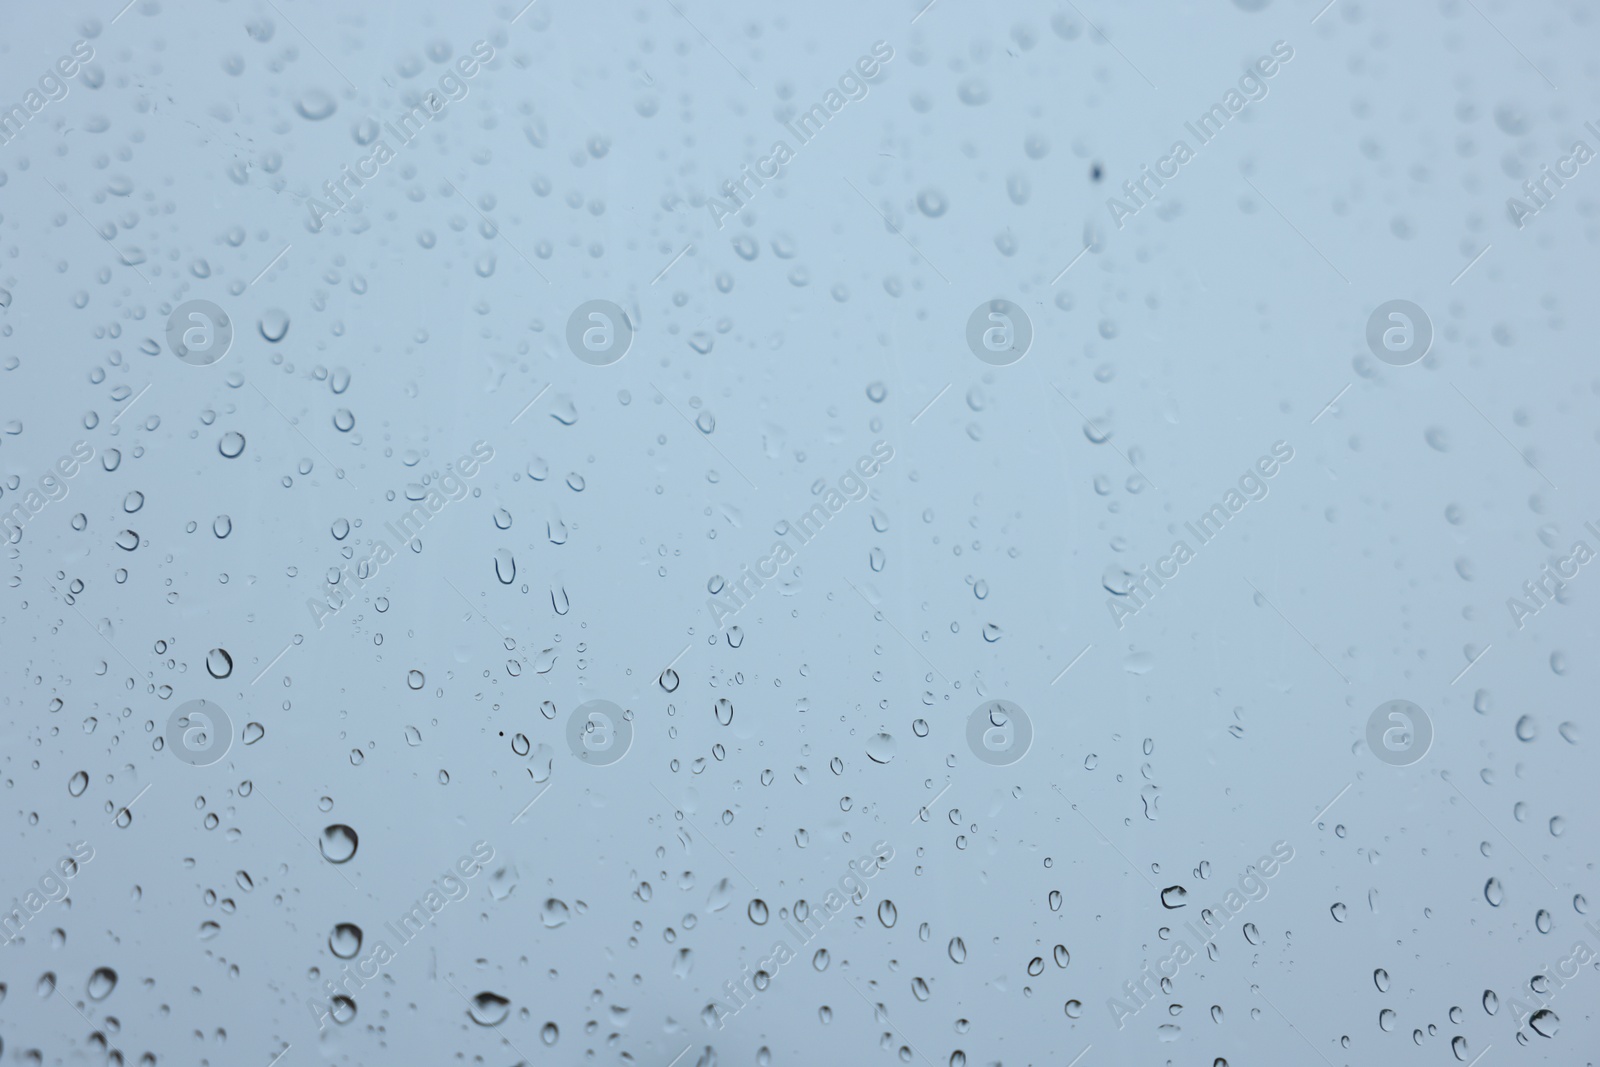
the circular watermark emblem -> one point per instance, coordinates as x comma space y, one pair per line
999, 733
1399, 733
199, 332
599, 333
999, 332
199, 733
1399, 333
599, 733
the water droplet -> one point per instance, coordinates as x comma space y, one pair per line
273, 324
338, 843
316, 105
345, 941
218, 663
101, 983
489, 1009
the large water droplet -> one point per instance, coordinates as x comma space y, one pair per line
554, 914
101, 983
273, 325
218, 663
345, 940
338, 843
316, 105
489, 1009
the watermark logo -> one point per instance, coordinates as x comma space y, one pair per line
599, 732
1399, 733
1399, 333
853, 86
52, 486
732, 596
1136, 593
999, 332
341, 191
1542, 189
1551, 581
51, 887
999, 733
801, 927
1251, 888
54, 84
1144, 190
406, 529
337, 1002
199, 332
599, 333
199, 733
1530, 1005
